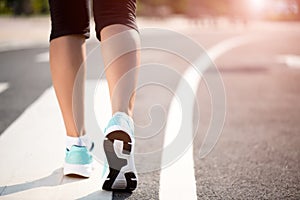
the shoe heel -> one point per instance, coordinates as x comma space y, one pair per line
116, 163
131, 181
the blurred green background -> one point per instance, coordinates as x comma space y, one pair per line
247, 9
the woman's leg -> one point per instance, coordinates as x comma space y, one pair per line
121, 70
116, 28
121, 74
67, 55
69, 29
112, 18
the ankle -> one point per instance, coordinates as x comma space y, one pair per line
73, 133
78, 141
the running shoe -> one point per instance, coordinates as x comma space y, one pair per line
119, 150
78, 161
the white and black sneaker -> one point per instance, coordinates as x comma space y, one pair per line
119, 150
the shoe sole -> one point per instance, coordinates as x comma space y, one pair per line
129, 182
80, 170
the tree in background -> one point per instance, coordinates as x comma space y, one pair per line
24, 7
155, 8
40, 6
158, 8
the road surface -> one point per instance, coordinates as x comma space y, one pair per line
257, 155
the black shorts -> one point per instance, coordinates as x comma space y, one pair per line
70, 17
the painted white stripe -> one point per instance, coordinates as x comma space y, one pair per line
32, 154
31, 145
178, 180
4, 86
42, 57
292, 61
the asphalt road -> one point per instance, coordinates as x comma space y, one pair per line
257, 155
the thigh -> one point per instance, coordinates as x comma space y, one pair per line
69, 17
108, 12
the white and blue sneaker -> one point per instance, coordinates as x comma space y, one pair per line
78, 161
119, 150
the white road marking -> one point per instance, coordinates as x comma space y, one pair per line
24, 173
42, 57
32, 154
97, 113
292, 61
4, 86
177, 181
